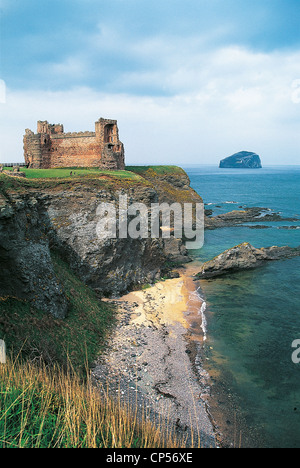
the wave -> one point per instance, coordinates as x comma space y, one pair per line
203, 316
222, 203
204, 321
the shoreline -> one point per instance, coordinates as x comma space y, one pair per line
224, 404
153, 360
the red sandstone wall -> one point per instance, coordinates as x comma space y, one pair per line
72, 152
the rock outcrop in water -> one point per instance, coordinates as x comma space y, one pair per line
244, 257
241, 217
242, 160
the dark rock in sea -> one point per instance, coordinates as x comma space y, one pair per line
208, 212
244, 257
247, 215
257, 227
289, 227
242, 160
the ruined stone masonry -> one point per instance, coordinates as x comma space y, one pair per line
50, 147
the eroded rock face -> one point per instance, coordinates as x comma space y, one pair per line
65, 219
26, 267
244, 257
242, 160
110, 266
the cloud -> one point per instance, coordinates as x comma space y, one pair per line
2, 92
135, 47
218, 104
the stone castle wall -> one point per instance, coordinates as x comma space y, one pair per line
50, 147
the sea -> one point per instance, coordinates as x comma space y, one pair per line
252, 318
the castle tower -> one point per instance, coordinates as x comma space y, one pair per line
111, 148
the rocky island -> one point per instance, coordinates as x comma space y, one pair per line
242, 160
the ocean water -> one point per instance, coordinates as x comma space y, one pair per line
253, 317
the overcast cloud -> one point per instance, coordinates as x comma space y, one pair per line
189, 82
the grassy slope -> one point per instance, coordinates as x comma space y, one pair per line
78, 338
40, 179
43, 408
60, 179
161, 170
71, 172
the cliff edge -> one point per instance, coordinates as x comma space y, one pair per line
41, 215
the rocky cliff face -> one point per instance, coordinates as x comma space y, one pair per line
26, 267
63, 216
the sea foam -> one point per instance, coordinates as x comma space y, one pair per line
203, 316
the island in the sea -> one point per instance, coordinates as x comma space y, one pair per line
242, 160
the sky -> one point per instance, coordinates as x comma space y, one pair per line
190, 81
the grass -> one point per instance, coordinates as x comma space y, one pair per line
161, 170
78, 338
130, 171
59, 181
72, 172
42, 408
61, 178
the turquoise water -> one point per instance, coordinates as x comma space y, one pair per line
254, 316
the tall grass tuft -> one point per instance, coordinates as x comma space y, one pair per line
49, 408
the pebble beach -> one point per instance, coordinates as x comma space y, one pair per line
152, 360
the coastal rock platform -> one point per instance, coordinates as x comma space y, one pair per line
244, 257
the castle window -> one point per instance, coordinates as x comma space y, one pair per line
108, 131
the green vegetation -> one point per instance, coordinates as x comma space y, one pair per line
68, 178
130, 172
73, 172
53, 179
43, 408
78, 339
160, 170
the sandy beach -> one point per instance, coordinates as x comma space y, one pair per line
152, 359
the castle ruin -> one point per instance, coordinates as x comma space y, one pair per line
50, 147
